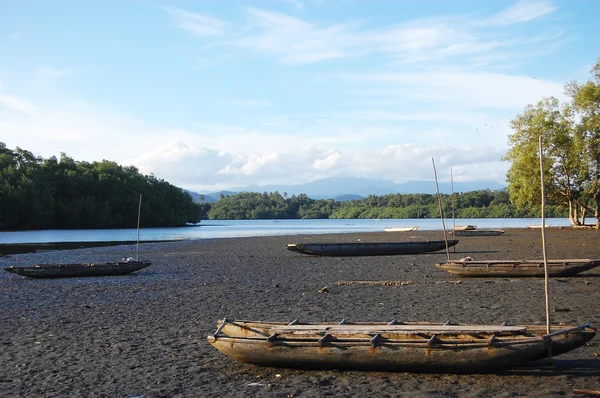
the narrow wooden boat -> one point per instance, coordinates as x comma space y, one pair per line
465, 227
516, 268
78, 270
394, 346
478, 232
370, 249
401, 229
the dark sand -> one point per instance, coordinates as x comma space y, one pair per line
145, 334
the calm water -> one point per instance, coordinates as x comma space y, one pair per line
233, 229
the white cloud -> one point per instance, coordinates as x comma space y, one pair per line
50, 71
196, 24
249, 103
522, 11
16, 35
293, 40
17, 104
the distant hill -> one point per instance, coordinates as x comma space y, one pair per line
349, 188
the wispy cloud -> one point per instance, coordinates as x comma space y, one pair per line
298, 5
522, 11
15, 35
197, 24
16, 104
47, 70
294, 40
249, 103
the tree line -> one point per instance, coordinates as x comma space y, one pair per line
273, 205
38, 193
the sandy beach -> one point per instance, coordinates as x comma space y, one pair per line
145, 334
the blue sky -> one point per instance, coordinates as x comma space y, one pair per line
212, 95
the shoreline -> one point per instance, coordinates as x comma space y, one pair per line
145, 334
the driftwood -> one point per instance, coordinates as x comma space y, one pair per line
393, 283
582, 391
383, 283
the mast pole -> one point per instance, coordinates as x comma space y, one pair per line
137, 254
543, 192
441, 210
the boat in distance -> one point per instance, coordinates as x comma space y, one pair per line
477, 232
394, 346
465, 227
516, 268
370, 249
401, 229
78, 270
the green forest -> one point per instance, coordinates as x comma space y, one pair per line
37, 193
475, 204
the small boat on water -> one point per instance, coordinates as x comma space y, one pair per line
401, 229
394, 346
477, 232
516, 268
370, 249
79, 270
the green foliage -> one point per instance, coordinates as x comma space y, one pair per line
571, 145
475, 204
38, 193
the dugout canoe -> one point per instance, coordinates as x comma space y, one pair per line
370, 249
394, 346
516, 268
477, 232
78, 270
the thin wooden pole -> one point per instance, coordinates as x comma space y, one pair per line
441, 209
137, 254
453, 215
546, 283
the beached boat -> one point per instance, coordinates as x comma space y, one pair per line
465, 227
370, 249
516, 268
538, 226
78, 270
401, 229
478, 232
394, 346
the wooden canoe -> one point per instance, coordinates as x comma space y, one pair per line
465, 227
478, 232
516, 268
370, 249
401, 229
410, 346
78, 270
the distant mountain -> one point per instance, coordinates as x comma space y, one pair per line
349, 188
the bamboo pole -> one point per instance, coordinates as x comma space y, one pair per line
441, 210
543, 192
137, 254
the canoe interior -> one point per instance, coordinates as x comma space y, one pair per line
406, 346
517, 268
78, 270
370, 249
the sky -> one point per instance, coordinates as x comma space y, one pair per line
211, 95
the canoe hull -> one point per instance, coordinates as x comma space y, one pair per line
478, 232
517, 268
78, 270
408, 349
370, 249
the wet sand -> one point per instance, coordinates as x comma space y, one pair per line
145, 334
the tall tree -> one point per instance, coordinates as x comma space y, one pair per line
571, 133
